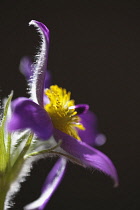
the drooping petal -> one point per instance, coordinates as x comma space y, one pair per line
52, 181
27, 114
39, 69
88, 155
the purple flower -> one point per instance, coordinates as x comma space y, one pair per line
61, 118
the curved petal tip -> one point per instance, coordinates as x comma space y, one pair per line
40, 26
40, 66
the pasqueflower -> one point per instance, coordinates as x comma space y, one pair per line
73, 124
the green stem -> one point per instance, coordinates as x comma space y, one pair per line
9, 150
3, 193
19, 162
3, 157
2, 200
2, 151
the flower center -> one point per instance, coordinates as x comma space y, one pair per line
62, 112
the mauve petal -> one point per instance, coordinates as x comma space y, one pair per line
52, 182
26, 67
39, 69
27, 114
88, 155
89, 120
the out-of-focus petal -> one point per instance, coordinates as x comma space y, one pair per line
52, 181
27, 114
26, 67
89, 121
48, 79
39, 69
100, 139
88, 155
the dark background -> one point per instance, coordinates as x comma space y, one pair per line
94, 53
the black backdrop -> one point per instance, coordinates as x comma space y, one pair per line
94, 53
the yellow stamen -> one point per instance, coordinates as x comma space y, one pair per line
64, 118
